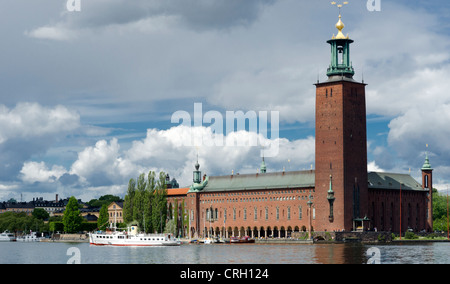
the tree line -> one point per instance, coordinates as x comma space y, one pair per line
146, 202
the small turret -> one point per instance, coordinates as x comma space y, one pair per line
263, 166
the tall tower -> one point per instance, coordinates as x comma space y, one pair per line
427, 183
341, 141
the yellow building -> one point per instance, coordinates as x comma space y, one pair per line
115, 212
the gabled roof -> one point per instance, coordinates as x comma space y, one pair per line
285, 180
118, 203
393, 181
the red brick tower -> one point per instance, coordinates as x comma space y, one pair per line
341, 143
427, 183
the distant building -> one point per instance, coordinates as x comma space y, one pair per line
17, 207
51, 207
115, 212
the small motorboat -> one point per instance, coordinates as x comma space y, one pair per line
7, 236
243, 240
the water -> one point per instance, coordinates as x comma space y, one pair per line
61, 253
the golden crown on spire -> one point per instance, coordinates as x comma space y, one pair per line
340, 25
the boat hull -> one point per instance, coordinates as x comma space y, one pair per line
131, 241
245, 240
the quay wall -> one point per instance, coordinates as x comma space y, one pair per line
68, 238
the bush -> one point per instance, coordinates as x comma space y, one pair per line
411, 236
56, 227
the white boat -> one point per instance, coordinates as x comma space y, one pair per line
131, 238
7, 236
32, 237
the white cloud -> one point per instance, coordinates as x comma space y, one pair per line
52, 33
101, 164
38, 172
373, 167
31, 129
106, 168
31, 120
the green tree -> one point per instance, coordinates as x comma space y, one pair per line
40, 213
128, 203
149, 191
103, 218
159, 204
146, 202
171, 227
105, 199
72, 219
140, 200
20, 222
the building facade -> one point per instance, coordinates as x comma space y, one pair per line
339, 195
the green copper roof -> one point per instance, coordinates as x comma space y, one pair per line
263, 167
296, 179
393, 181
426, 165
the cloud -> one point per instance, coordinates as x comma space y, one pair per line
38, 172
52, 33
30, 129
101, 164
105, 166
196, 14
262, 90
31, 120
373, 167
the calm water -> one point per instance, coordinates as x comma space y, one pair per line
61, 253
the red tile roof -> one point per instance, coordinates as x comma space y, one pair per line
177, 191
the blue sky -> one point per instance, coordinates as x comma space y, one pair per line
87, 97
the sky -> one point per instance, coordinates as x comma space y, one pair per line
88, 97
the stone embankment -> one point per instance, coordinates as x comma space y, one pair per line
69, 238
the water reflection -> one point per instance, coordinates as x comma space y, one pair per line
350, 253
340, 253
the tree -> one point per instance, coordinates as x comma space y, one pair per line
149, 191
139, 200
146, 202
40, 213
128, 204
159, 204
72, 219
171, 227
105, 199
103, 218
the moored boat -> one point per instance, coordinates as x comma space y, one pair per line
7, 236
243, 240
131, 238
32, 237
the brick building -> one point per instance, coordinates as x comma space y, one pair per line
339, 195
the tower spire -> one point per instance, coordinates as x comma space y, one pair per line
340, 51
426, 166
263, 163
